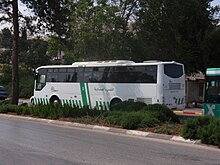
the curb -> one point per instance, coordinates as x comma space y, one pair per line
105, 129
188, 113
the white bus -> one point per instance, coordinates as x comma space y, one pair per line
100, 84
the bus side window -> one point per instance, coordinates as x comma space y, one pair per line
80, 74
74, 77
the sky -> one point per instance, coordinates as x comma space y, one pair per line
216, 2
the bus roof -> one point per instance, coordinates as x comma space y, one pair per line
213, 71
110, 63
119, 62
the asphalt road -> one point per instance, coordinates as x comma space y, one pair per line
30, 143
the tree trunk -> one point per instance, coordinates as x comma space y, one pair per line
15, 79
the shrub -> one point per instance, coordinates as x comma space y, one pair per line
210, 133
5, 102
26, 110
149, 120
192, 125
132, 120
8, 108
205, 128
114, 118
128, 106
19, 111
158, 108
189, 130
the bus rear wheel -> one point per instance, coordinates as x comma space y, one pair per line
114, 102
54, 100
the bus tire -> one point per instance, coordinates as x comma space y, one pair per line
32, 102
114, 102
54, 100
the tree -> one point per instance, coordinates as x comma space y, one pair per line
6, 39
6, 43
35, 53
53, 15
174, 30
10, 11
15, 78
54, 46
210, 49
100, 31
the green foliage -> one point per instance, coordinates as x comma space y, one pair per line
132, 120
133, 115
8, 108
128, 106
177, 33
100, 30
34, 53
6, 77
22, 110
6, 38
185, 31
5, 102
210, 48
53, 15
54, 46
26, 81
149, 121
56, 111
205, 128
162, 112
114, 117
26, 84
6, 57
210, 134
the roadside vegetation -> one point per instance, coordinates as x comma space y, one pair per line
127, 115
26, 80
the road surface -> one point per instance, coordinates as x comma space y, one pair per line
32, 143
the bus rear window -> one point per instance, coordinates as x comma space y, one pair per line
173, 70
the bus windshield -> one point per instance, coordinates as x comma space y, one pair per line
212, 93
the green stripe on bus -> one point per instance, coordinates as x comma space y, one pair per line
105, 107
88, 94
108, 104
73, 103
175, 100
80, 104
77, 104
83, 93
101, 107
70, 103
97, 105
182, 100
